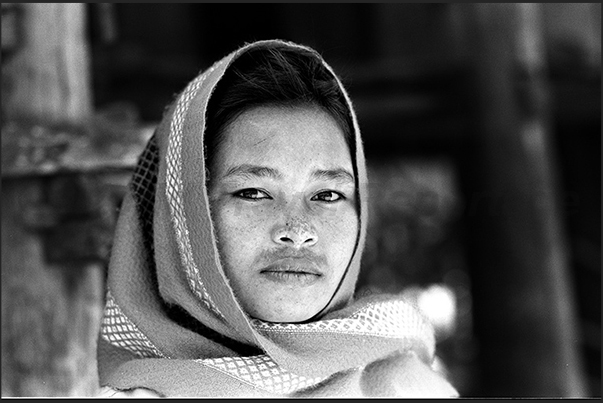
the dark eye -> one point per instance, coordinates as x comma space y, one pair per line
328, 196
252, 194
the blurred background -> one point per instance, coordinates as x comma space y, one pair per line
482, 131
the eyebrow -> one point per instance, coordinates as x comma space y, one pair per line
338, 175
247, 170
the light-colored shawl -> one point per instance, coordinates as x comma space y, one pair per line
165, 265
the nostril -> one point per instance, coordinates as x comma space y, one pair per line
285, 239
301, 234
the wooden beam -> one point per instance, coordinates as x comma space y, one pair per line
524, 303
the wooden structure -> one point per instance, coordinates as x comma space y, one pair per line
52, 282
525, 314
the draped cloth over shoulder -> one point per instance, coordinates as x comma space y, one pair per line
171, 321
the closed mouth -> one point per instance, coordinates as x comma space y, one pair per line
293, 270
293, 266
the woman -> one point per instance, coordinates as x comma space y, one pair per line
238, 248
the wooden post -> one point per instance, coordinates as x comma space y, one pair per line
50, 312
523, 295
48, 77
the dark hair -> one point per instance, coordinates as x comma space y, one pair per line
279, 76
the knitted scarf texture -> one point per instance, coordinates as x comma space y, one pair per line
173, 324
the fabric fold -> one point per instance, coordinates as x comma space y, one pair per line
172, 322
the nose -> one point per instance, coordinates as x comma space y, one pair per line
295, 232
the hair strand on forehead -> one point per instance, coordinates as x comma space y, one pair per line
274, 76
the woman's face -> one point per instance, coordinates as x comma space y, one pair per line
282, 195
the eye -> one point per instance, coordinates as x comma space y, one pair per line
252, 194
328, 196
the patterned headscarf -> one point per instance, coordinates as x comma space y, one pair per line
172, 323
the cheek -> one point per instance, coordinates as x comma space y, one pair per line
239, 231
339, 233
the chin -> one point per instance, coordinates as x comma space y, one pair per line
284, 317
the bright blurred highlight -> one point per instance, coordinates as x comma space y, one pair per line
439, 304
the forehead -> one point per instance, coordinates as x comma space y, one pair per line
284, 134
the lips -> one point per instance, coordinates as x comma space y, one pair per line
293, 270
295, 265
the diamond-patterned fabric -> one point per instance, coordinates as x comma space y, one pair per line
174, 193
261, 372
386, 319
258, 371
118, 330
143, 184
